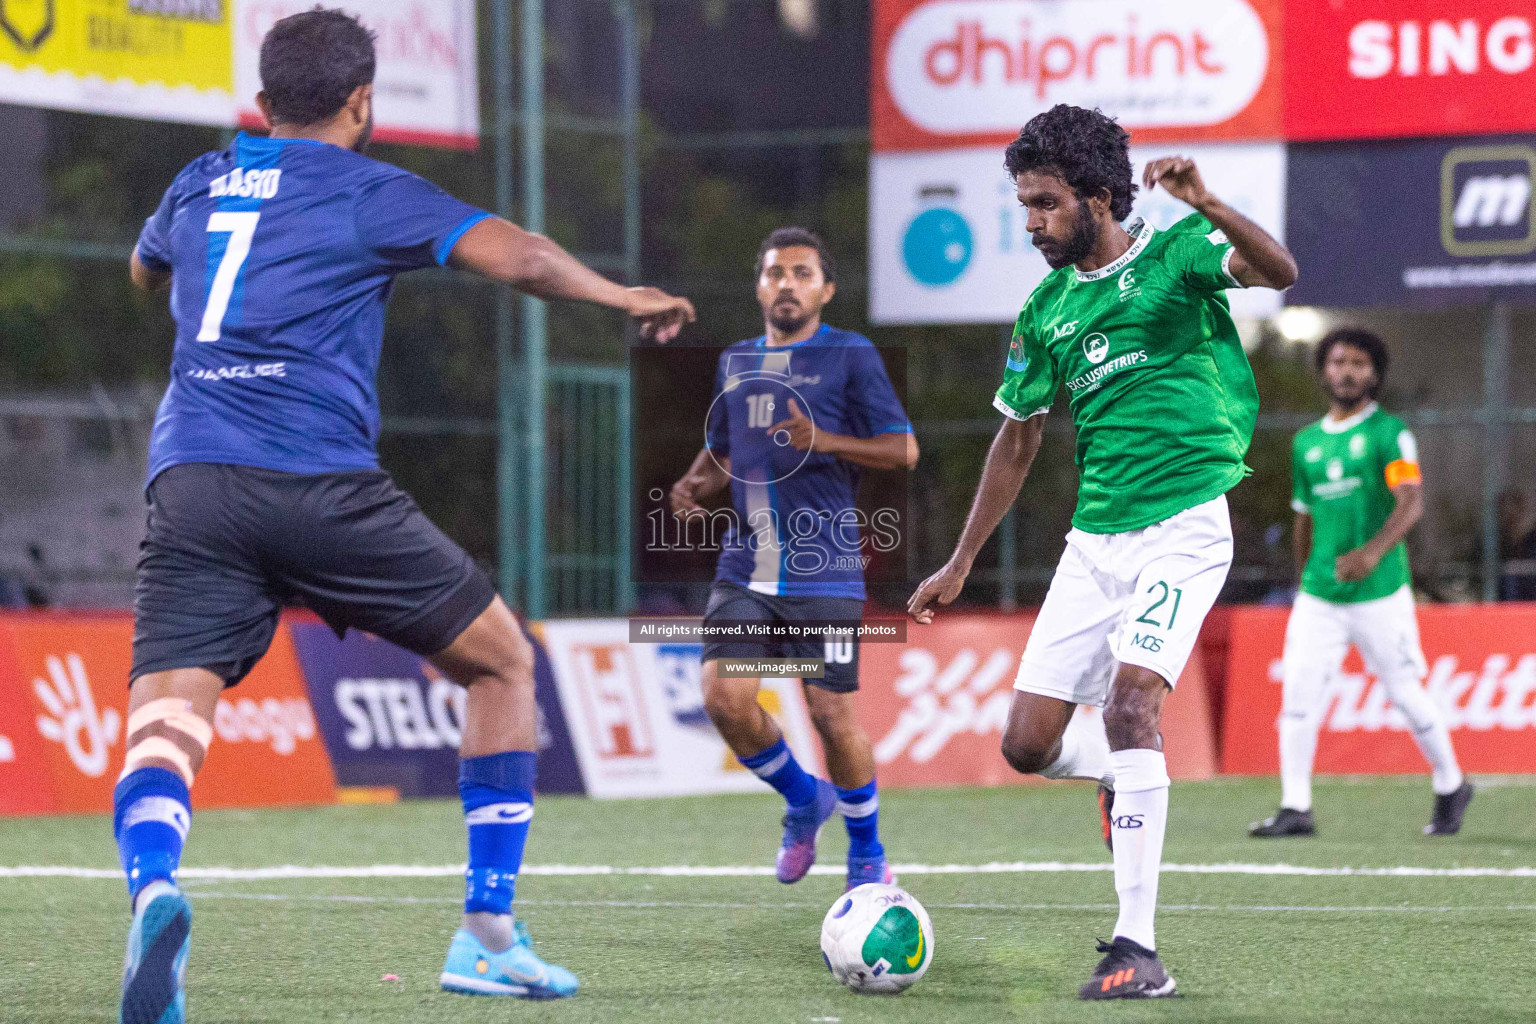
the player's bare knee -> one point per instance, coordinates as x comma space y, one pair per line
1027, 754
728, 705
831, 713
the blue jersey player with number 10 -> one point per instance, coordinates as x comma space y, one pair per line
798, 413
264, 484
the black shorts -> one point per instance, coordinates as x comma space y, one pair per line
732, 602
227, 546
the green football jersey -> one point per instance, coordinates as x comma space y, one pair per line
1159, 386
1342, 476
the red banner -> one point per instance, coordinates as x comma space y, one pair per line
63, 712
1390, 68
1482, 671
935, 707
956, 73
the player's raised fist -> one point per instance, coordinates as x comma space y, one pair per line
942, 587
1179, 176
799, 427
661, 315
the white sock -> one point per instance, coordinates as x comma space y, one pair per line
1140, 819
493, 930
1429, 732
1084, 751
153, 889
1298, 749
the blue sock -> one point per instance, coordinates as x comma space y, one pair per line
151, 813
861, 813
497, 791
778, 767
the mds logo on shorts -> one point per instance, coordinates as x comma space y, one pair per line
1487, 201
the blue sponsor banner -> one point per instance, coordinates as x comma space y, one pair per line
389, 718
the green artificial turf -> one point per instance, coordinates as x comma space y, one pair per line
1009, 946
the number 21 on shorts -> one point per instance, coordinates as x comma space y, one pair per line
241, 228
1153, 615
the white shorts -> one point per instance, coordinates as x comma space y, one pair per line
1135, 598
1319, 634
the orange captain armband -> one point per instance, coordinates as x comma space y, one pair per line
1403, 472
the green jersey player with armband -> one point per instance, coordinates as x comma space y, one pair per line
1357, 492
1134, 322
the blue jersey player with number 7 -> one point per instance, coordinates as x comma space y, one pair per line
264, 483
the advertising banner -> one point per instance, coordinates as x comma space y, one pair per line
947, 238
1391, 68
964, 73
66, 695
426, 91
1430, 222
198, 61
166, 60
935, 707
636, 714
389, 718
1482, 672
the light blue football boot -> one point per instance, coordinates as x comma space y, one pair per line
473, 970
155, 968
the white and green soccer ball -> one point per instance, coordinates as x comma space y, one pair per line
877, 938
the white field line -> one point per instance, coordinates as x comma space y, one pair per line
286, 871
198, 894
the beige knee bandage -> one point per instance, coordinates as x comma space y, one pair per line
168, 730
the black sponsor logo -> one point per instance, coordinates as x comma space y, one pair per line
1126, 821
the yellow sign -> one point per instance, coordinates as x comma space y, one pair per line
161, 59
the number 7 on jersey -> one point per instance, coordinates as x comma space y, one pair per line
241, 228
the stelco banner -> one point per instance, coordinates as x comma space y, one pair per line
389, 718
1388, 68
1482, 671
947, 238
197, 61
1426, 222
953, 82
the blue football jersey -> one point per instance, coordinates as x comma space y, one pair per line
283, 254
797, 530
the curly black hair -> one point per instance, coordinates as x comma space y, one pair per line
1362, 339
1085, 148
312, 61
783, 238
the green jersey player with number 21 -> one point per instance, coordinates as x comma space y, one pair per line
1133, 321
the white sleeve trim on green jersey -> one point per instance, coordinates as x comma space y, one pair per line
1007, 410
1297, 505
1226, 267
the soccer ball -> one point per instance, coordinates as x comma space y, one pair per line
877, 938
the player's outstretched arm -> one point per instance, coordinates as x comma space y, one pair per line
1260, 261
708, 475
1356, 565
145, 277
531, 263
1013, 451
